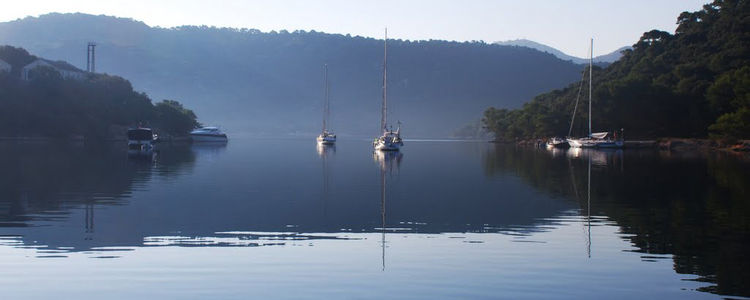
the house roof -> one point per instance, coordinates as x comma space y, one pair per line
3, 63
62, 65
57, 64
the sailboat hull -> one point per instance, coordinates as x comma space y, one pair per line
610, 144
557, 143
387, 143
326, 140
383, 147
592, 143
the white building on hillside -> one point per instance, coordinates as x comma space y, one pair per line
66, 70
4, 66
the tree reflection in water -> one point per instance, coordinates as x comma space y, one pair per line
694, 206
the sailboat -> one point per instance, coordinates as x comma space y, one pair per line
326, 137
594, 139
390, 140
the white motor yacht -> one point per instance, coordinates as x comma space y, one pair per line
208, 134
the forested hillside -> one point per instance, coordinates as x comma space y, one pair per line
96, 107
272, 82
693, 83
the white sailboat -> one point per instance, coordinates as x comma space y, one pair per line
594, 139
326, 137
390, 140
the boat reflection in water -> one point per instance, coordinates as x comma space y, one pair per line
388, 161
74, 184
598, 157
482, 216
325, 150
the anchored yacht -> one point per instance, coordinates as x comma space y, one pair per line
390, 140
208, 134
326, 137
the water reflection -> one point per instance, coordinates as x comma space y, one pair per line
387, 161
43, 181
47, 182
325, 150
693, 206
692, 209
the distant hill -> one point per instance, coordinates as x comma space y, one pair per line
606, 58
270, 83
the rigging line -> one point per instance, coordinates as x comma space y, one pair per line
591, 73
384, 117
325, 96
578, 97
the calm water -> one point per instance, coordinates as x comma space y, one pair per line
286, 219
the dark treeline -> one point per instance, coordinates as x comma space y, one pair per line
694, 83
271, 82
98, 106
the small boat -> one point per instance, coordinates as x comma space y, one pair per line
598, 139
208, 134
141, 140
557, 142
390, 140
326, 137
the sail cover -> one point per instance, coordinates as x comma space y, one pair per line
599, 135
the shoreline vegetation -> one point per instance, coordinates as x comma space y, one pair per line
53, 100
671, 144
693, 84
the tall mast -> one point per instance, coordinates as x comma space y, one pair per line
591, 70
325, 103
383, 117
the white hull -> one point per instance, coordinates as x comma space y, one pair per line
327, 140
387, 146
557, 143
589, 143
209, 138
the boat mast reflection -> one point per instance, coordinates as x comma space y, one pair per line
325, 151
587, 225
588, 210
388, 161
89, 215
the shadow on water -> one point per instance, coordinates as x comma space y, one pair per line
693, 206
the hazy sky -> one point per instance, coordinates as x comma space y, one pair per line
565, 25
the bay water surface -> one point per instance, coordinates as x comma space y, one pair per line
285, 218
